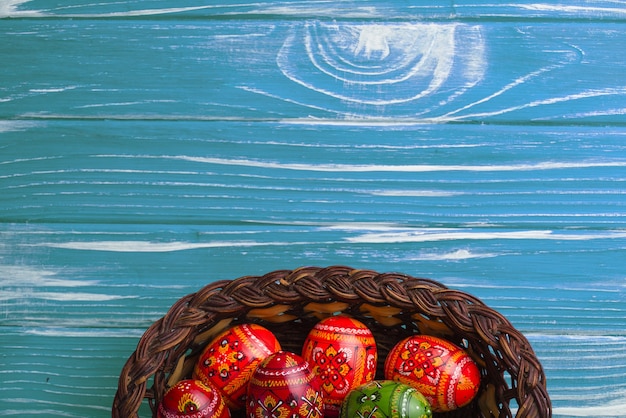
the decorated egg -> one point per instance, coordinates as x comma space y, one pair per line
443, 372
192, 399
230, 359
343, 355
385, 399
283, 385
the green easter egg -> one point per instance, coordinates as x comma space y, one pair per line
385, 399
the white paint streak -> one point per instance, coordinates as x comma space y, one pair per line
154, 247
403, 63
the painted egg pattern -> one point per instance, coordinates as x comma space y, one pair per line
444, 373
192, 399
385, 399
230, 359
284, 386
343, 355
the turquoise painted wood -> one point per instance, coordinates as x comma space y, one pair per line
148, 148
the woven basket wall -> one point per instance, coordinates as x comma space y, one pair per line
392, 305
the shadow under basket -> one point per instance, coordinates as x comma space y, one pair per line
290, 302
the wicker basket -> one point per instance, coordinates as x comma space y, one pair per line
392, 305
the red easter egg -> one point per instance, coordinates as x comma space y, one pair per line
343, 355
192, 399
230, 359
284, 385
443, 372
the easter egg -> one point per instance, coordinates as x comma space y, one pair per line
385, 399
343, 355
230, 359
443, 372
283, 385
192, 399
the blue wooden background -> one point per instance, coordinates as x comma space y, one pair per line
150, 147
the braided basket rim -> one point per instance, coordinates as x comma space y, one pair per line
513, 379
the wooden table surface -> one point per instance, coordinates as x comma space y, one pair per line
148, 148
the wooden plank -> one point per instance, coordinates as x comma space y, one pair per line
361, 9
183, 172
267, 69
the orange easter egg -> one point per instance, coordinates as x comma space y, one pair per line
443, 372
343, 355
230, 359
